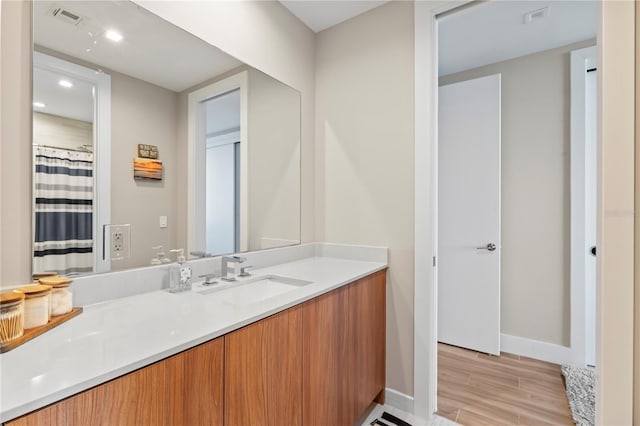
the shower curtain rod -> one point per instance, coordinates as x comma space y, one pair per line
63, 149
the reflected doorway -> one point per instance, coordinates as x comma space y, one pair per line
71, 143
218, 176
223, 173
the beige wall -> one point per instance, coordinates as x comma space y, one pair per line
15, 141
265, 35
615, 292
61, 132
535, 293
364, 156
143, 113
274, 161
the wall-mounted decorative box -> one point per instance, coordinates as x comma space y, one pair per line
144, 168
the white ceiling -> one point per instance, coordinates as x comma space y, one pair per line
322, 14
481, 34
160, 53
495, 31
152, 49
74, 102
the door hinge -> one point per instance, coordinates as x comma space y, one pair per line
434, 261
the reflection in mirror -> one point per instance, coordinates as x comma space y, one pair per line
71, 120
223, 167
222, 158
63, 169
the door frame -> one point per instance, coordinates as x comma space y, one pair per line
614, 346
101, 149
195, 158
425, 347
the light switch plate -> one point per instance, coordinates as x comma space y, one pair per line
163, 221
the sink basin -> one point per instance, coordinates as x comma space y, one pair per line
256, 290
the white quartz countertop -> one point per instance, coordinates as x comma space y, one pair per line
113, 338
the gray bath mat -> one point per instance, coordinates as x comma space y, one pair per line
581, 383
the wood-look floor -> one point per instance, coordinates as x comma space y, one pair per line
478, 389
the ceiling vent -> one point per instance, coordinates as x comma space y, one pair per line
66, 15
536, 15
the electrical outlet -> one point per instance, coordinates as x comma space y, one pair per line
120, 241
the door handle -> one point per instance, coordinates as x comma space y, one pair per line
490, 247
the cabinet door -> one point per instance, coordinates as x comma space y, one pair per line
184, 389
263, 372
194, 386
344, 352
327, 398
133, 399
367, 322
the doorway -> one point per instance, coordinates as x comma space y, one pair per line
217, 164
535, 189
615, 219
537, 295
71, 163
222, 186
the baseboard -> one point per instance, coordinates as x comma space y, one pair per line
398, 400
535, 349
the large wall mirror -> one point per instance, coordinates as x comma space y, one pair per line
145, 136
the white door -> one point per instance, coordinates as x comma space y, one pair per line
469, 214
583, 204
220, 199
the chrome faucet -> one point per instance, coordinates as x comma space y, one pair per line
209, 279
200, 254
226, 260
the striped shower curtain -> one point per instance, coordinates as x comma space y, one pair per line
63, 201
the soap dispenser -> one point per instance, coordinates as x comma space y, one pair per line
179, 274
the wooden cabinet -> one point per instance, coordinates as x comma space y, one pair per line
321, 363
263, 372
318, 363
194, 383
367, 322
182, 390
326, 360
344, 352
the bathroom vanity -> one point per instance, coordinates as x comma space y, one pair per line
314, 355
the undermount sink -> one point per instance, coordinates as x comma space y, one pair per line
255, 290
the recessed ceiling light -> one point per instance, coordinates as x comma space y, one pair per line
113, 35
39, 105
65, 83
